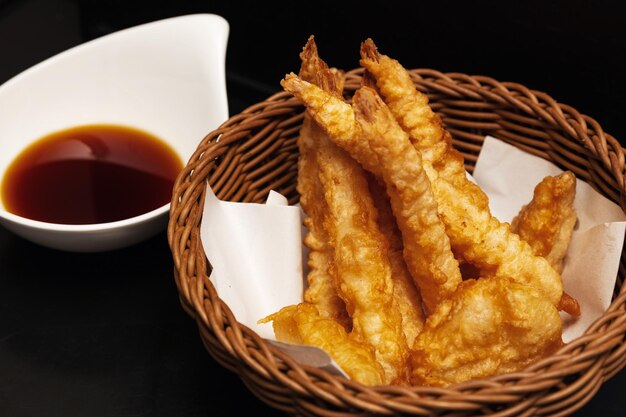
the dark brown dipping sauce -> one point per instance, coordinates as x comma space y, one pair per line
91, 174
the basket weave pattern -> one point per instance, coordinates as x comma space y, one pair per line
255, 151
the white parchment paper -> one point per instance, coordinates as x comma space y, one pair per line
256, 249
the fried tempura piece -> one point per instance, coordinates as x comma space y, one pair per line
411, 110
362, 269
372, 136
405, 293
321, 290
303, 324
491, 246
547, 222
488, 327
474, 233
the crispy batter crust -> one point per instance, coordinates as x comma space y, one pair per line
547, 222
362, 269
351, 268
406, 296
321, 290
371, 135
489, 326
302, 324
475, 234
367, 232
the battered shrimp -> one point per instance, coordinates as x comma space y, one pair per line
321, 291
488, 327
361, 269
474, 233
372, 136
405, 293
547, 222
303, 324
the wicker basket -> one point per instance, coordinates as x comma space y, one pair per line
255, 151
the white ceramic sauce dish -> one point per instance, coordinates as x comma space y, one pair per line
165, 77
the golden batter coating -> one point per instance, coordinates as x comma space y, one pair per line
547, 224
378, 240
362, 269
475, 234
350, 248
303, 324
490, 326
405, 293
491, 246
321, 290
548, 221
411, 110
372, 136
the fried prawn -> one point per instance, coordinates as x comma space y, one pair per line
407, 297
321, 290
547, 222
371, 135
489, 326
303, 324
361, 270
474, 233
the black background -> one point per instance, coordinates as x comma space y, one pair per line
103, 334
573, 50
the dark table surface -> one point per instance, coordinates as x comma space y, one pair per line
103, 334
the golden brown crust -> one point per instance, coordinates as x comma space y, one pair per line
489, 326
547, 222
320, 291
302, 324
362, 269
351, 269
476, 328
389, 154
371, 135
475, 234
407, 298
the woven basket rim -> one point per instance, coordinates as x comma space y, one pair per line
526, 390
